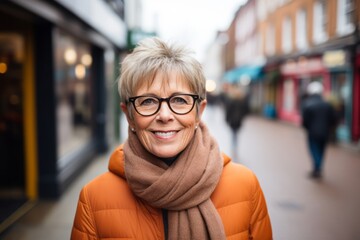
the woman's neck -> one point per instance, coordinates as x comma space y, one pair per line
169, 160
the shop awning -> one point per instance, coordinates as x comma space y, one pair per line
253, 72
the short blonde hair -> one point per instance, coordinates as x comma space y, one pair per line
152, 55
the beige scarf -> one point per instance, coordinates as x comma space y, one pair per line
183, 188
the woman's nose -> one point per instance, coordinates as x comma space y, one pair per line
165, 112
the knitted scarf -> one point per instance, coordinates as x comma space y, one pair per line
183, 188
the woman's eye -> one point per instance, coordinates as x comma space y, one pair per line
178, 100
148, 101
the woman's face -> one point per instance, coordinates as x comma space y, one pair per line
165, 134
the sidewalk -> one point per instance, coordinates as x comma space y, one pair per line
300, 208
52, 220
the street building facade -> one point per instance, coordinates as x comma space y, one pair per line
58, 63
298, 42
312, 46
245, 60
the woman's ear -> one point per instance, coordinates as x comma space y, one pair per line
202, 107
125, 109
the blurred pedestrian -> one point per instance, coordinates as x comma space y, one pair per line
169, 179
318, 119
236, 109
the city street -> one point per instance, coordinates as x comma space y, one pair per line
300, 208
66, 66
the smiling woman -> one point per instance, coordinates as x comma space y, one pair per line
179, 119
169, 179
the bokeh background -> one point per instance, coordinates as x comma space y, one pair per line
60, 115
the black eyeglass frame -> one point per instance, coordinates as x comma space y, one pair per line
167, 100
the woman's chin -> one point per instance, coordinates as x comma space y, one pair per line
165, 152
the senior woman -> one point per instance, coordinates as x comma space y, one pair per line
169, 180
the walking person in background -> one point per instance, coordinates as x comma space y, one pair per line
169, 179
236, 109
318, 119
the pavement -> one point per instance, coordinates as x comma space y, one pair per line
299, 207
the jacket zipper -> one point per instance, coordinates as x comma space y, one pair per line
165, 222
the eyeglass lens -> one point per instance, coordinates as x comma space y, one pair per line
180, 104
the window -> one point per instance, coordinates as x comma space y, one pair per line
73, 93
289, 95
270, 40
340, 97
12, 65
286, 35
345, 13
320, 22
301, 30
261, 9
111, 96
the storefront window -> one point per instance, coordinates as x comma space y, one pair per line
111, 96
340, 94
289, 95
73, 93
340, 98
11, 113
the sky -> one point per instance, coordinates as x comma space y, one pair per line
193, 23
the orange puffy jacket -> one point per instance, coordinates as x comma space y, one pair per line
107, 209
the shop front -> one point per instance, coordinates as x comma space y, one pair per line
270, 83
340, 68
249, 77
356, 100
56, 79
295, 76
18, 143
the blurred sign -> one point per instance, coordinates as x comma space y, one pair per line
302, 65
135, 35
334, 58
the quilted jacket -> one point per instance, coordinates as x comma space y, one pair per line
107, 209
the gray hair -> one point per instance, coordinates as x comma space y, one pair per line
153, 55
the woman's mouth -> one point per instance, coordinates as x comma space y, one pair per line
165, 135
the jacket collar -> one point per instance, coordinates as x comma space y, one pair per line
117, 163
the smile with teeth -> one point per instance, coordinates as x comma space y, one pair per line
165, 134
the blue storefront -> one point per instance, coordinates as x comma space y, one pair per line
249, 77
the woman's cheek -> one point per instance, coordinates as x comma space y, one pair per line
188, 134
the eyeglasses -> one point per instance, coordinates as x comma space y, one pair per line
149, 105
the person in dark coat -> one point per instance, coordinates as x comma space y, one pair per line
318, 119
236, 108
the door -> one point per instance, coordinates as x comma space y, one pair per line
341, 99
12, 171
17, 115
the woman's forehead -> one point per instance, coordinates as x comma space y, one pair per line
165, 81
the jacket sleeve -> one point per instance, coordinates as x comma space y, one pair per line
84, 224
260, 226
305, 118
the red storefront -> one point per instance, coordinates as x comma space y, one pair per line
295, 76
356, 101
